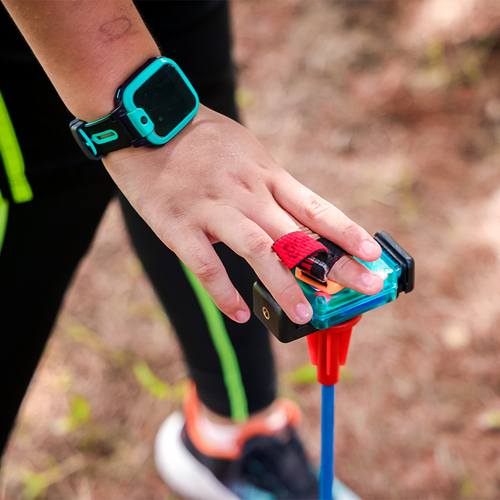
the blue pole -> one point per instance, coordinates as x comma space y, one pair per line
326, 473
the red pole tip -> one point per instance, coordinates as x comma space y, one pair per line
328, 350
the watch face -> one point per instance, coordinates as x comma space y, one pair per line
166, 98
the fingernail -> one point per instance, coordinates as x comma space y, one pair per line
242, 316
370, 279
304, 311
369, 247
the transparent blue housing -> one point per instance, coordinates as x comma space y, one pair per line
330, 310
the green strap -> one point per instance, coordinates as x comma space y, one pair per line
222, 343
12, 158
4, 213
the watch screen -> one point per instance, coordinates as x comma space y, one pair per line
166, 98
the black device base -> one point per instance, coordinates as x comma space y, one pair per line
275, 319
285, 330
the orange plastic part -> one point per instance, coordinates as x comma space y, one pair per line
331, 287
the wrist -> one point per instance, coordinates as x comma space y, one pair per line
121, 156
92, 96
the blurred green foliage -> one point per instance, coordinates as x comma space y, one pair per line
148, 380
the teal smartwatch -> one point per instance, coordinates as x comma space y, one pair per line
152, 106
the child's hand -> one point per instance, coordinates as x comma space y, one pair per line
215, 182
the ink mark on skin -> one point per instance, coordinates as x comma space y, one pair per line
115, 29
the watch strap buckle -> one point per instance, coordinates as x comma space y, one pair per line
99, 138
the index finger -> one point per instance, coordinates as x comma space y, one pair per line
324, 218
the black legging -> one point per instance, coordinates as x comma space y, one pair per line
47, 237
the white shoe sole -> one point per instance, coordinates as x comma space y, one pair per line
180, 470
342, 492
189, 478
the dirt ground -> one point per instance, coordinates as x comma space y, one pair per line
391, 110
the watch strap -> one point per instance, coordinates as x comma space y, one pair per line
97, 139
133, 123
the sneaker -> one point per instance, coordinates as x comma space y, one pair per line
265, 465
341, 492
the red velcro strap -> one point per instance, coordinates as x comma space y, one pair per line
294, 248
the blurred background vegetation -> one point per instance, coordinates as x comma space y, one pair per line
390, 110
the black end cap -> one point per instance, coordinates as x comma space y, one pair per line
406, 281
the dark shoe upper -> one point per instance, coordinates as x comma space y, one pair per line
268, 468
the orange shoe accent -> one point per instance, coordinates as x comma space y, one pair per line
258, 426
255, 426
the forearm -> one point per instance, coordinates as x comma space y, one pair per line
87, 48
